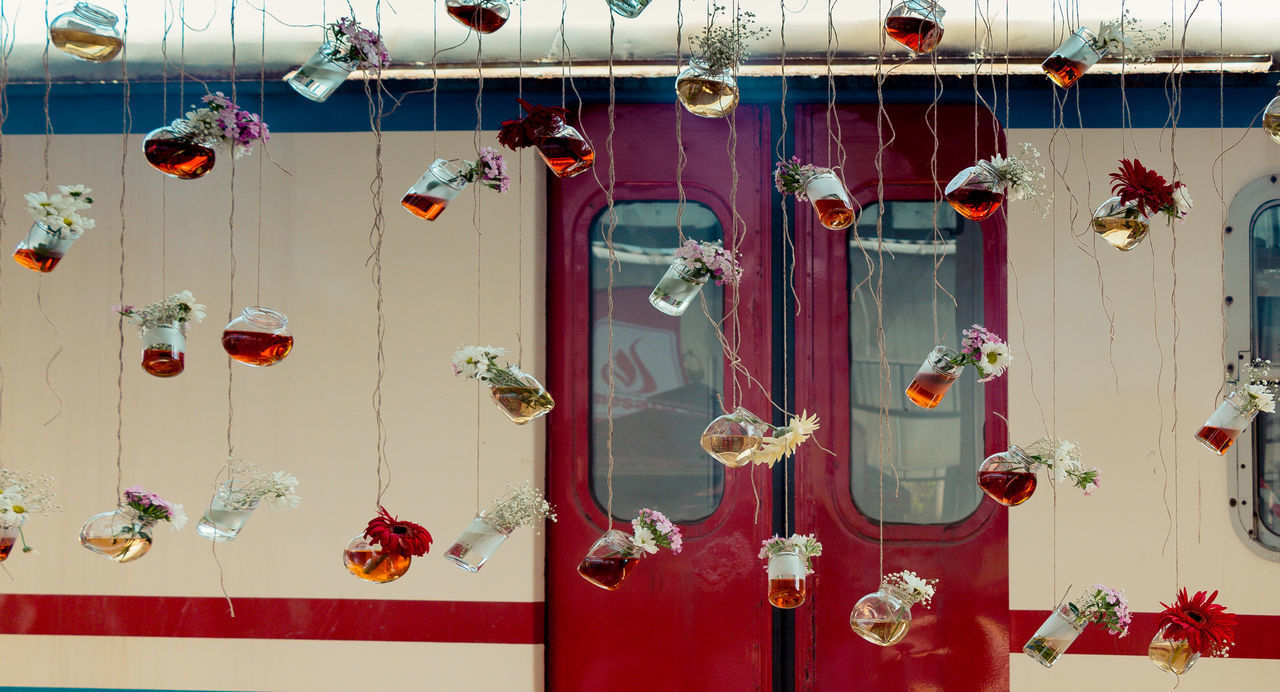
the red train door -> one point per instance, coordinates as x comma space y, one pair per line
698, 620
935, 520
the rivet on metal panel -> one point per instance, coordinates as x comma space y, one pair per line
1230, 300
1231, 502
1228, 229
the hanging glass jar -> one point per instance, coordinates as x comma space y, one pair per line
975, 192
733, 438
1057, 633
524, 402
786, 579
628, 8
1122, 225
484, 16
43, 248
883, 617
120, 535
1172, 655
323, 72
179, 151
1230, 419
1073, 58
258, 336
830, 199
87, 32
611, 558
164, 350
369, 562
707, 92
1008, 477
564, 149
1271, 119
678, 287
916, 24
935, 376
428, 197
8, 538
228, 511
478, 542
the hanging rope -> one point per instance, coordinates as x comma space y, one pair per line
475, 220
374, 97
612, 215
124, 183
48, 140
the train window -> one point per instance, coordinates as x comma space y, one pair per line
930, 456
667, 370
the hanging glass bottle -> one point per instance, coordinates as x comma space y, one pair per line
1073, 58
1008, 477
1057, 633
42, 248
323, 72
1122, 225
228, 511
916, 24
1171, 655
120, 535
883, 617
179, 151
164, 350
935, 376
1271, 119
628, 8
611, 558
87, 32
786, 579
1230, 419
975, 192
830, 199
734, 437
8, 538
369, 562
677, 289
706, 92
564, 149
523, 402
484, 16
477, 543
258, 336
428, 197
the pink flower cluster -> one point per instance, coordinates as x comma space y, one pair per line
491, 170
791, 176
238, 126
1112, 609
711, 258
147, 504
988, 352
665, 533
364, 47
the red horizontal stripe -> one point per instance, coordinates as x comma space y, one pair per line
469, 622
1255, 635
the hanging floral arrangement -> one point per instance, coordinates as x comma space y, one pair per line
1122, 38
236, 498
1191, 628
1140, 193
565, 151
187, 148
1010, 477
741, 437
520, 395
981, 348
979, 190
790, 563
445, 178
615, 554
916, 24
1100, 604
347, 46
821, 187
24, 495
693, 264
163, 328
707, 87
384, 552
884, 617
1255, 391
57, 224
481, 16
124, 534
522, 505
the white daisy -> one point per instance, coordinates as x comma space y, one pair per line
1262, 398
177, 516
644, 540
994, 361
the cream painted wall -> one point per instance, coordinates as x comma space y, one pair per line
1131, 400
310, 415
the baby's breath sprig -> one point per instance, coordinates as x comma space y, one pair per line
522, 505
723, 48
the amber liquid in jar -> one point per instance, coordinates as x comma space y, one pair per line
927, 389
1170, 656
708, 98
1271, 125
786, 592
833, 213
163, 362
566, 156
522, 404
1122, 234
122, 549
185, 160
1062, 71
1217, 439
975, 204
917, 33
883, 632
35, 261
376, 566
482, 19
1009, 488
257, 348
6, 546
732, 450
424, 206
607, 573
86, 45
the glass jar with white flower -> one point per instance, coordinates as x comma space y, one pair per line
1009, 477
1083, 48
707, 87
347, 46
24, 495
444, 179
693, 265
522, 505
790, 563
520, 395
1141, 193
163, 328
124, 534
236, 498
979, 190
1101, 604
1255, 391
883, 617
57, 224
186, 148
615, 554
980, 348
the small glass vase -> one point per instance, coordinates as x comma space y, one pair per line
628, 8
1230, 419
734, 437
164, 350
8, 538
228, 511
322, 73
477, 543
1122, 225
830, 199
916, 24
258, 336
678, 287
935, 376
975, 192
484, 16
1054, 636
706, 92
1008, 477
179, 151
368, 562
1073, 58
120, 535
428, 197
564, 149
883, 617
525, 402
87, 32
786, 579
43, 248
610, 560
1171, 655
1271, 119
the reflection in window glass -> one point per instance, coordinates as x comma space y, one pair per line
936, 452
668, 370
1265, 253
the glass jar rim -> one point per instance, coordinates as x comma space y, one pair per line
453, 172
96, 14
184, 129
264, 317
932, 6
704, 66
1021, 455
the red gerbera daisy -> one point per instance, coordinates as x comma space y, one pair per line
395, 537
1207, 627
1135, 183
517, 134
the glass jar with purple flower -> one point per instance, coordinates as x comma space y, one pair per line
186, 149
445, 179
347, 46
694, 264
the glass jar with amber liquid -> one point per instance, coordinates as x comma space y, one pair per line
1171, 655
940, 370
179, 151
522, 400
707, 92
564, 149
830, 200
976, 192
1074, 57
916, 24
8, 537
428, 197
1230, 419
43, 248
164, 350
883, 617
483, 16
611, 558
733, 438
1271, 119
369, 562
258, 336
1123, 226
786, 579
87, 32
120, 535
1008, 477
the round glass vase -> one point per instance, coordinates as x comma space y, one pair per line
678, 287
120, 535
428, 197
611, 558
322, 73
1271, 119
627, 8
1171, 655
87, 32
883, 617
786, 579
733, 438
8, 538
1232, 416
228, 511
1073, 58
916, 24
258, 336
1057, 633
1121, 225
483, 16
564, 149
976, 192
179, 151
706, 92
521, 402
935, 376
368, 562
164, 350
830, 200
1008, 477
43, 247
477, 543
